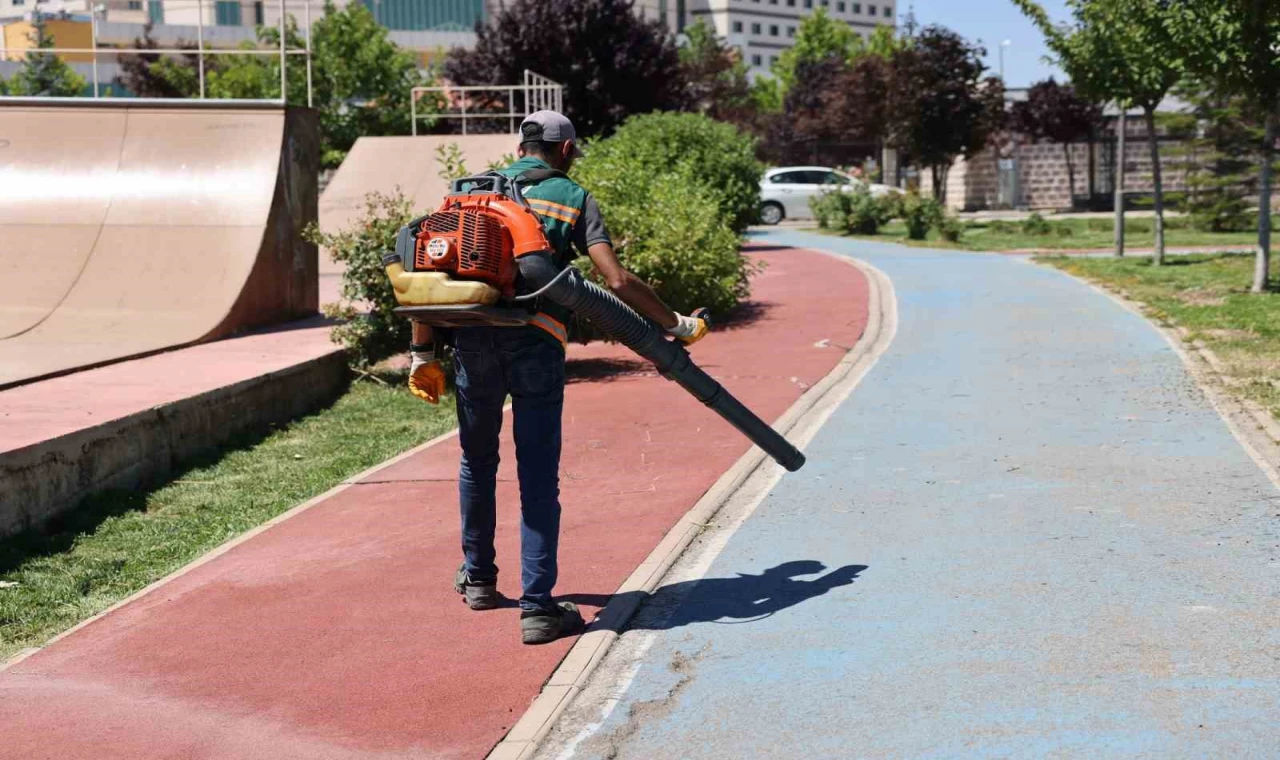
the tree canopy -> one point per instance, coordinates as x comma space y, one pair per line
611, 62
44, 74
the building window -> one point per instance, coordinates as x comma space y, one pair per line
755, 28
791, 3
227, 13
773, 2
259, 16
871, 9
840, 6
155, 11
857, 7
888, 11
791, 31
824, 3
755, 60
737, 26
773, 30
773, 59
808, 3
133, 5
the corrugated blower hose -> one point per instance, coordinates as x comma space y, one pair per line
482, 258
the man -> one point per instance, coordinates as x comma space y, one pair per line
528, 364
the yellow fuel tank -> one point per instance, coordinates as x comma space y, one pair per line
437, 289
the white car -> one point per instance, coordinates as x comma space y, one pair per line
786, 190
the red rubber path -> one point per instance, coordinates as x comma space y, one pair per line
336, 633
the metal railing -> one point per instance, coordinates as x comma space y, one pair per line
536, 94
200, 52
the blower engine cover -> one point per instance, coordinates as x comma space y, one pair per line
457, 267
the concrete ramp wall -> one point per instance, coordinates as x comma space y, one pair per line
384, 163
130, 229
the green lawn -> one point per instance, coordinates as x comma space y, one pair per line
117, 543
1065, 234
1208, 295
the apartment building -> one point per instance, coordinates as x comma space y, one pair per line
762, 29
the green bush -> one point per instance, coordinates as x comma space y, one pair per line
1001, 227
949, 227
379, 332
708, 152
866, 213
668, 228
830, 209
1036, 225
920, 215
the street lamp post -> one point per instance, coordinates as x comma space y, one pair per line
1003, 44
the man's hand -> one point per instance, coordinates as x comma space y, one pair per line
690, 329
426, 377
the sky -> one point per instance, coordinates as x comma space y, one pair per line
992, 21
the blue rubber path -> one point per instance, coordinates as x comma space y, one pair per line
1026, 534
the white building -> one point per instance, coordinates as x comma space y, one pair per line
762, 29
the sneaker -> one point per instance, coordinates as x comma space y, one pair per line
478, 594
544, 626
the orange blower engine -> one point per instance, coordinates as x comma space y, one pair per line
482, 259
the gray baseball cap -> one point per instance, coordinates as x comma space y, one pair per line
549, 126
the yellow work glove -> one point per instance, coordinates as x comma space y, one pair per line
426, 377
691, 329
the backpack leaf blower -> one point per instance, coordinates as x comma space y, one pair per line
483, 259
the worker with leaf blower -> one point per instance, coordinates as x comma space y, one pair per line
528, 363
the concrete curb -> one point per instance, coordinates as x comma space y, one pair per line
234, 542
801, 421
1254, 427
40, 481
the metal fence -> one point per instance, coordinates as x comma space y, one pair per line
476, 103
200, 52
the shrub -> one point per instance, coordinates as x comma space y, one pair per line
866, 213
830, 209
920, 214
949, 227
668, 228
711, 153
368, 337
1036, 225
1001, 227
1062, 230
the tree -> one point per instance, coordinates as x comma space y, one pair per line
45, 74
1234, 44
939, 106
715, 77
151, 75
611, 62
361, 80
1222, 141
1056, 113
831, 101
819, 38
1120, 50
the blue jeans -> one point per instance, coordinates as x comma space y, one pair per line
490, 363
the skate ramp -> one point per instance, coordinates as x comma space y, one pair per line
126, 230
384, 163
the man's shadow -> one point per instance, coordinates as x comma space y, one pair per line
738, 599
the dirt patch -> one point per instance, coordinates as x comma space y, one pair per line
1201, 297
653, 709
1229, 334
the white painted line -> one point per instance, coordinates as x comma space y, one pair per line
746, 482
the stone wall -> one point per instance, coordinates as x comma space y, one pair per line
1042, 177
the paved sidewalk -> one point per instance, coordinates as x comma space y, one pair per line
1026, 534
336, 633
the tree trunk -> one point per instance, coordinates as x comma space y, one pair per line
1157, 258
1071, 177
939, 190
1118, 181
1262, 265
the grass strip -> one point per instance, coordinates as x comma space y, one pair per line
1062, 235
117, 543
1209, 296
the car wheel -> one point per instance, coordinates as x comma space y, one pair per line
771, 213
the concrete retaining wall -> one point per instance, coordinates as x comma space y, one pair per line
46, 479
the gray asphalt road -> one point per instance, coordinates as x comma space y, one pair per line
1025, 534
